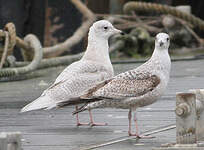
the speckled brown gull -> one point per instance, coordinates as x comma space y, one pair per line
94, 66
135, 88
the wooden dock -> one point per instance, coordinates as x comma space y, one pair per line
56, 130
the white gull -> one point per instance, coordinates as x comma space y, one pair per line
95, 66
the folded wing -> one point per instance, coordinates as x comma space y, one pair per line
118, 88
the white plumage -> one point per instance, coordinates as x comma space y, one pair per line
95, 66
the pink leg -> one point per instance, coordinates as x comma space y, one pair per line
77, 119
92, 122
137, 130
136, 126
129, 119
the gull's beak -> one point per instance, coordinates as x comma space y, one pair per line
115, 31
161, 43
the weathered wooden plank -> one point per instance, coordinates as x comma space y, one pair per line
56, 129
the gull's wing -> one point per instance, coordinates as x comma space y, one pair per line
73, 82
83, 71
84, 98
74, 86
122, 86
78, 67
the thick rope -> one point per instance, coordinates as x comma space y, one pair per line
66, 60
128, 8
5, 51
10, 27
35, 44
78, 34
10, 42
158, 8
53, 62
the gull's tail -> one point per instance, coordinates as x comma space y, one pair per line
76, 101
71, 101
43, 102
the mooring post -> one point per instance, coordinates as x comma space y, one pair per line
185, 118
189, 121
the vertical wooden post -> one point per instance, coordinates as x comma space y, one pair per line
189, 121
185, 118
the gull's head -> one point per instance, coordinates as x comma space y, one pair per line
162, 41
103, 29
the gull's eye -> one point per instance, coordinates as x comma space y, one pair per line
167, 39
105, 27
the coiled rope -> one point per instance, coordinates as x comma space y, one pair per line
128, 7
5, 50
9, 42
158, 8
38, 55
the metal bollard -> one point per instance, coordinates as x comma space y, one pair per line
10, 141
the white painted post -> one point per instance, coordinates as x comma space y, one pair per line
185, 118
189, 121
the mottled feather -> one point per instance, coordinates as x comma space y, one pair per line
138, 87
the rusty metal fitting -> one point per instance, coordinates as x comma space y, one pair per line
182, 110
